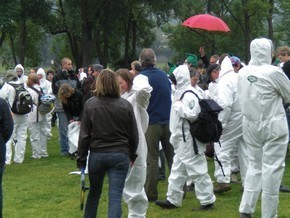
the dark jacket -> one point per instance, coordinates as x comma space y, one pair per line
6, 128
60, 78
107, 125
74, 108
88, 87
160, 100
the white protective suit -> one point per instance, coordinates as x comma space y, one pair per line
187, 164
261, 90
23, 78
134, 193
37, 127
231, 119
19, 134
47, 89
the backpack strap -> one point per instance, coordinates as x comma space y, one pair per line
195, 148
15, 97
181, 97
39, 93
36, 90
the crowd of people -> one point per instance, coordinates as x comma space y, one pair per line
129, 117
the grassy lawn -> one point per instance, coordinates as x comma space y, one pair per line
43, 188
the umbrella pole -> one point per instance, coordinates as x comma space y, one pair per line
212, 43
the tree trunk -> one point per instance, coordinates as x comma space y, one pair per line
22, 40
247, 30
86, 49
270, 18
13, 50
73, 42
127, 39
2, 38
208, 8
134, 37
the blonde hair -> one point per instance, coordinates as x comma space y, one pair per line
32, 79
64, 92
107, 84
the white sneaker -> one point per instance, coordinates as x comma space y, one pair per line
75, 173
35, 156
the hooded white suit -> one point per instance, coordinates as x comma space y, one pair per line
23, 78
261, 90
186, 164
134, 193
231, 119
37, 127
46, 87
19, 134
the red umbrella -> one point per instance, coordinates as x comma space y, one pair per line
206, 22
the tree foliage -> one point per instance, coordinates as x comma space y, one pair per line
112, 32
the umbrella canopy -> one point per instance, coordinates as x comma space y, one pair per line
206, 22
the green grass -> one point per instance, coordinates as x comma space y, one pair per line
43, 188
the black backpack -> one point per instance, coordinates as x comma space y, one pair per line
23, 102
207, 128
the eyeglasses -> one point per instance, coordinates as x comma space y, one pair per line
18, 71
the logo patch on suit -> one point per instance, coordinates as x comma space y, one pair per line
252, 79
191, 104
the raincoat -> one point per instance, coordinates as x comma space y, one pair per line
37, 127
186, 164
134, 193
231, 119
23, 78
19, 134
47, 89
261, 90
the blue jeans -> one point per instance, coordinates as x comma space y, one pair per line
116, 165
62, 128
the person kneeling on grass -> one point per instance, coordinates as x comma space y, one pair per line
186, 164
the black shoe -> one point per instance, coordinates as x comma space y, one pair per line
245, 215
161, 178
284, 189
204, 207
165, 204
152, 199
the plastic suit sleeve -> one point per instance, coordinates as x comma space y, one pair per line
143, 90
225, 98
282, 84
133, 137
188, 108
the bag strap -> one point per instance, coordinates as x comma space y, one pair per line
187, 91
39, 93
183, 135
36, 90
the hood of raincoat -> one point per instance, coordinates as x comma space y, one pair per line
261, 52
182, 77
40, 71
226, 67
19, 66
